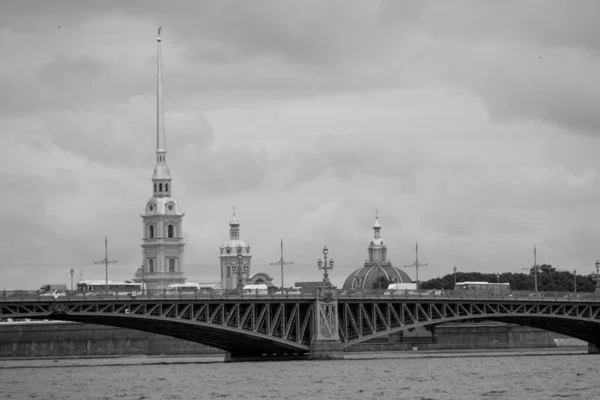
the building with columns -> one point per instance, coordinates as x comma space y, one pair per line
377, 267
162, 220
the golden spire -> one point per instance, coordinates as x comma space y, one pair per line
161, 146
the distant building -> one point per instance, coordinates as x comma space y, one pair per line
237, 256
376, 267
162, 243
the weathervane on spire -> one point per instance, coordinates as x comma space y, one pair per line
159, 29
377, 213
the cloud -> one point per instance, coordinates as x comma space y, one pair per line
307, 117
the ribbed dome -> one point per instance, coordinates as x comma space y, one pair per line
367, 276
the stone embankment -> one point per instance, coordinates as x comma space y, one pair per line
71, 339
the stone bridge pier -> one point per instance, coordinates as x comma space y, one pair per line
325, 342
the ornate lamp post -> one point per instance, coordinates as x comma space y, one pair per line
324, 266
240, 269
575, 281
455, 275
72, 271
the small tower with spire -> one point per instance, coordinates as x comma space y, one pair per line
162, 243
377, 248
228, 257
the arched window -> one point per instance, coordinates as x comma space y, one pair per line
160, 187
151, 231
151, 265
170, 231
155, 187
228, 271
166, 187
171, 265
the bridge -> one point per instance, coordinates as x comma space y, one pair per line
316, 326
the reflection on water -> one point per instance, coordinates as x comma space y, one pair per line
473, 375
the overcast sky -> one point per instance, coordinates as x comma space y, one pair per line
473, 126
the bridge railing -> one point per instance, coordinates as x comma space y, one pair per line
218, 294
470, 295
153, 294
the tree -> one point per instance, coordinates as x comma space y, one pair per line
548, 280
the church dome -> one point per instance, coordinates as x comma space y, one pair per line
367, 276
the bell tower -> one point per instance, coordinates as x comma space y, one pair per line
377, 248
162, 230
235, 258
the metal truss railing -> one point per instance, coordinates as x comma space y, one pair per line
8, 295
469, 295
360, 319
286, 320
158, 294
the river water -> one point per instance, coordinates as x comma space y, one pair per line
547, 374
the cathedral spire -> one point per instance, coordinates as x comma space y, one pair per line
162, 220
377, 225
161, 145
234, 228
162, 175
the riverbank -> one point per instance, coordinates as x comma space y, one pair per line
64, 340
47, 362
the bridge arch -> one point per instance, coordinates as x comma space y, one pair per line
578, 328
362, 321
248, 328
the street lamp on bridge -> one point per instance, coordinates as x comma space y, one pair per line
324, 266
241, 269
72, 271
575, 280
497, 277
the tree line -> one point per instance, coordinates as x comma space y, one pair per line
548, 280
